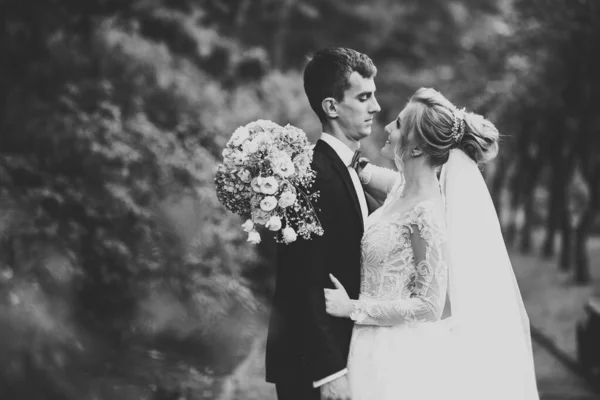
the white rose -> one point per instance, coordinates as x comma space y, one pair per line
289, 235
248, 226
269, 185
287, 199
262, 138
268, 203
284, 167
245, 175
256, 184
254, 237
279, 159
274, 223
251, 146
302, 161
260, 217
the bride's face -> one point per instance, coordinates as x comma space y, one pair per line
394, 138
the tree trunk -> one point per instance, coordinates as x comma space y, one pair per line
241, 13
511, 230
528, 193
517, 183
548, 248
566, 248
280, 36
497, 184
555, 210
527, 228
582, 262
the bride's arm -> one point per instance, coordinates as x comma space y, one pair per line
378, 181
427, 284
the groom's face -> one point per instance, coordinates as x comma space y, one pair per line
358, 107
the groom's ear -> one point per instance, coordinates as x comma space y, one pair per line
330, 107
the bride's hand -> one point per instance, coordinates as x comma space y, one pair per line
337, 301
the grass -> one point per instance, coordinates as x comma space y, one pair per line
248, 381
554, 303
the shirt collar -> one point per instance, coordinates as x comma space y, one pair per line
343, 151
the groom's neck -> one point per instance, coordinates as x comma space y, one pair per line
337, 132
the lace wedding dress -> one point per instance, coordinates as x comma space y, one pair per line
418, 259
400, 345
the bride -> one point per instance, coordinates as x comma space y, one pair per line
440, 315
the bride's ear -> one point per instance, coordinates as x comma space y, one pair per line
416, 152
330, 106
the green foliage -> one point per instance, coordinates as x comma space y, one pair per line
113, 117
112, 231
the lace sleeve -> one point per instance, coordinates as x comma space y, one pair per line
427, 284
379, 181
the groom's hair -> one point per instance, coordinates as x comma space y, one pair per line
327, 73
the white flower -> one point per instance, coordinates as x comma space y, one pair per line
248, 226
287, 199
263, 124
283, 166
240, 135
245, 175
291, 132
302, 161
260, 217
238, 158
256, 184
251, 146
274, 223
268, 203
263, 138
269, 185
254, 237
289, 235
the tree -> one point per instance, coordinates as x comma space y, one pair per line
558, 40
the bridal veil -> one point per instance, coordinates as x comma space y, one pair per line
491, 336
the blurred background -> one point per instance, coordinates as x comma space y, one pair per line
122, 277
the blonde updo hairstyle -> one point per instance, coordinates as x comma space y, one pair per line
428, 120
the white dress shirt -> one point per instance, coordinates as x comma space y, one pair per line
345, 154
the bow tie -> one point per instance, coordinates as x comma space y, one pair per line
355, 160
358, 162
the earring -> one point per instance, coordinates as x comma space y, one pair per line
415, 153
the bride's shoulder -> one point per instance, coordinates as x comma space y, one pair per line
428, 211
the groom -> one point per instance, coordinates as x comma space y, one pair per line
307, 349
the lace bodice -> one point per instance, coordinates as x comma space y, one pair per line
404, 273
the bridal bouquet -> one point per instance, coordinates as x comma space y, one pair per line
265, 177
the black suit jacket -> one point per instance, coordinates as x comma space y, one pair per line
304, 342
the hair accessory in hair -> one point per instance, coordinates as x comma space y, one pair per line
458, 124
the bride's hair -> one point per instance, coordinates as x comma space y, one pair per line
432, 117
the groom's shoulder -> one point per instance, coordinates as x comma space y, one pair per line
322, 165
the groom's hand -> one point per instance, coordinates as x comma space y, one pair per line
337, 301
338, 389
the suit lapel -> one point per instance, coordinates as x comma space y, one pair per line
342, 170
